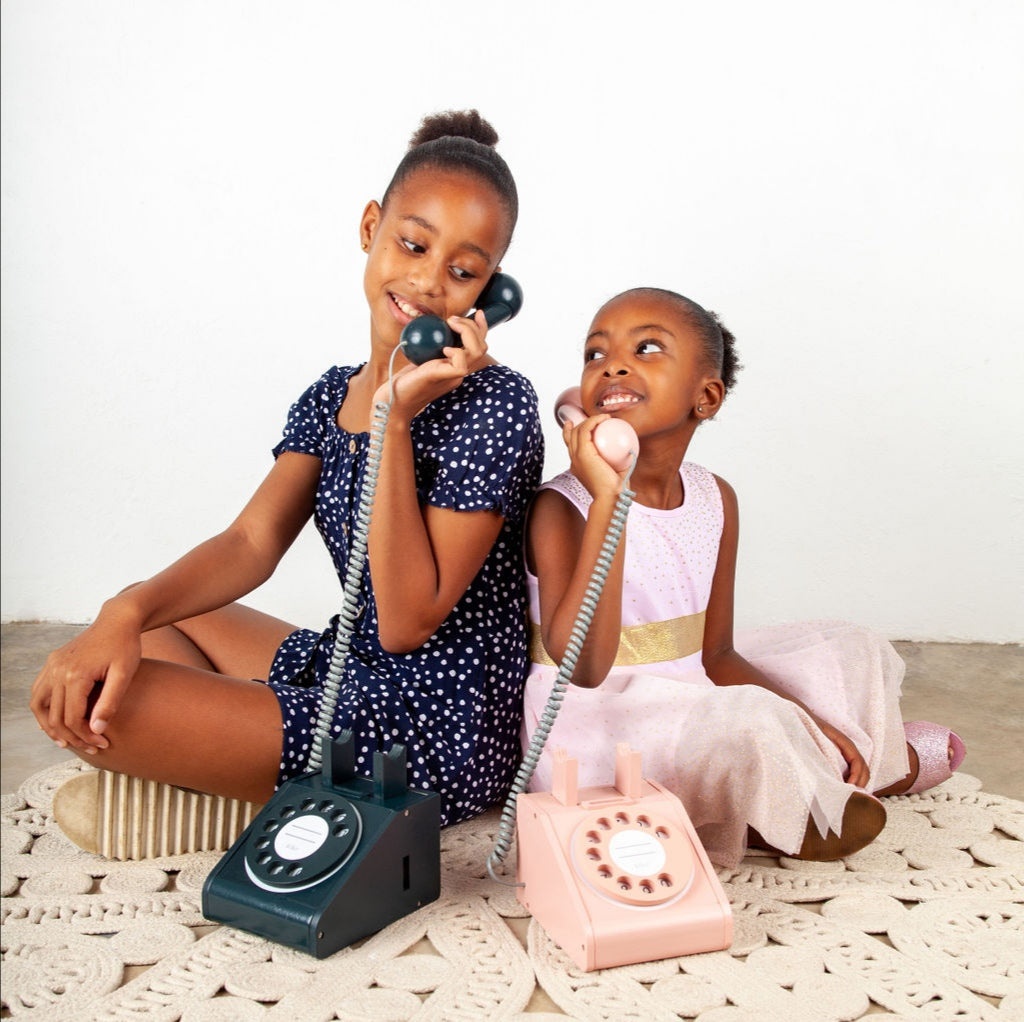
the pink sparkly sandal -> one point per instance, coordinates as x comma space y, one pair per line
932, 743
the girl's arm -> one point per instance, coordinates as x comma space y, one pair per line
214, 574
234, 562
724, 666
563, 548
423, 558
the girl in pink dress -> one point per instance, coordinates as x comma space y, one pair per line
779, 736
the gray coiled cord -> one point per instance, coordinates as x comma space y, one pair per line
574, 647
352, 585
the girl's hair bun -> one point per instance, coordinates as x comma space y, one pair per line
460, 123
461, 142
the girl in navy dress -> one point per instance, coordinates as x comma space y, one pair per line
161, 684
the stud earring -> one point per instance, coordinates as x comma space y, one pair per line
366, 247
700, 409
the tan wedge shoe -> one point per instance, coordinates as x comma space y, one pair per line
122, 817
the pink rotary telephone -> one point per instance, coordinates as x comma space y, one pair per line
615, 874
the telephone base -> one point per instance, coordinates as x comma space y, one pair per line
617, 875
333, 857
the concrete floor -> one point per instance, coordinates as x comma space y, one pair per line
976, 689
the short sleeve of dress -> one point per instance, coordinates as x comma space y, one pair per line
482, 447
310, 417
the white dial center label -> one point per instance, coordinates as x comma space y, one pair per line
300, 838
636, 852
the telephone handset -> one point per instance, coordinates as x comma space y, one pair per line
616, 440
426, 337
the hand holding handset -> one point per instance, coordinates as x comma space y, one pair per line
616, 441
426, 337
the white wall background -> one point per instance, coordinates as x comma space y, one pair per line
182, 181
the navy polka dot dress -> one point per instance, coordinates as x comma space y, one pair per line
456, 702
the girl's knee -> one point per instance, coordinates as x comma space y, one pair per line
753, 715
171, 645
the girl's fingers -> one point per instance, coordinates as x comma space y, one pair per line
55, 718
78, 716
587, 461
75, 701
59, 702
109, 699
39, 702
859, 774
472, 333
75, 731
459, 359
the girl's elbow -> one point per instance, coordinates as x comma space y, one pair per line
397, 644
404, 636
591, 673
713, 658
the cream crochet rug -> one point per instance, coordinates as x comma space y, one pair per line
927, 923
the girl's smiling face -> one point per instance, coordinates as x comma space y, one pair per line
644, 362
431, 249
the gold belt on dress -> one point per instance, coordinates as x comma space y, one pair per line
642, 644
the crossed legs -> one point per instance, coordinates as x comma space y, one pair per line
193, 716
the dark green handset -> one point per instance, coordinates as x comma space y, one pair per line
426, 337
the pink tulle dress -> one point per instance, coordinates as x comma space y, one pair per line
736, 756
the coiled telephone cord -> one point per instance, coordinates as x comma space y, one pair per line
352, 585
574, 647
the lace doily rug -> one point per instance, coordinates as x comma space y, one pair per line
927, 923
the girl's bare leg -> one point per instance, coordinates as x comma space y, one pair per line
194, 716
195, 729
234, 640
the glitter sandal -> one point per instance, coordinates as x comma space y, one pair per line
932, 743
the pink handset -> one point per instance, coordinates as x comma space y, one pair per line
616, 441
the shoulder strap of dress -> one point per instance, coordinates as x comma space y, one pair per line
701, 486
